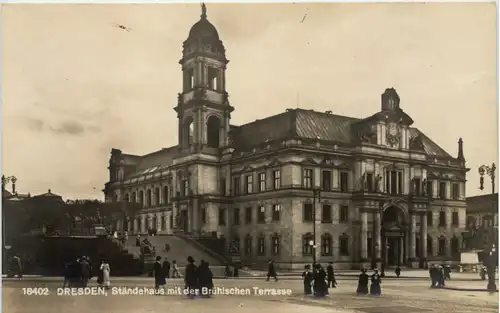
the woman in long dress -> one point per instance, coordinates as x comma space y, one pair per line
375, 289
105, 269
362, 283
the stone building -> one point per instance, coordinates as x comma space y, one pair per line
386, 191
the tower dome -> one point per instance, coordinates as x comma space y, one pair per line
204, 38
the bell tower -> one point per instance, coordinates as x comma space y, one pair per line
203, 108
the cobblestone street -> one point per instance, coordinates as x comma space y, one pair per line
398, 296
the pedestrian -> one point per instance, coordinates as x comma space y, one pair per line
84, 271
331, 276
440, 277
227, 271
106, 270
190, 278
126, 236
307, 277
447, 271
397, 271
175, 270
166, 268
375, 289
67, 275
138, 241
76, 273
236, 270
320, 286
205, 279
159, 275
433, 274
271, 271
362, 283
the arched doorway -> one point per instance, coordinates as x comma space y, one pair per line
393, 236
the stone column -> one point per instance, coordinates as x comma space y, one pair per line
129, 226
143, 223
377, 235
189, 209
136, 226
196, 216
364, 235
413, 239
150, 222
423, 236
401, 251
158, 222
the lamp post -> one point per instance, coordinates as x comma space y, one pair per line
491, 259
316, 195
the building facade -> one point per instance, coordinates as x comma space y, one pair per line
384, 191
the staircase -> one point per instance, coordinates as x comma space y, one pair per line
180, 249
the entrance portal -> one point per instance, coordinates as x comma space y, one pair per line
393, 236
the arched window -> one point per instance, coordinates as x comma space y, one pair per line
188, 130
442, 219
326, 245
455, 246
148, 198
275, 243
213, 131
430, 251
307, 242
442, 245
141, 198
157, 197
248, 245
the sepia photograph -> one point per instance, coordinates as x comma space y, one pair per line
219, 157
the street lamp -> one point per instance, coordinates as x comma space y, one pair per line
316, 195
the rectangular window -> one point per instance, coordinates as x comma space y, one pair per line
222, 217
400, 183
236, 216
442, 219
223, 186
455, 219
442, 190
306, 244
326, 214
276, 212
369, 183
249, 183
416, 187
203, 216
455, 190
262, 182
344, 214
276, 179
308, 212
442, 246
188, 79
212, 78
275, 240
248, 245
248, 215
344, 246
185, 187
429, 218
430, 190
261, 215
344, 182
307, 178
369, 245
237, 186
262, 246
393, 181
326, 180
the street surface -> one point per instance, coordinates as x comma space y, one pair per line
407, 296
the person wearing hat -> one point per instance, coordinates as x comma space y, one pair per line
440, 277
84, 271
433, 273
159, 275
362, 283
307, 277
375, 289
191, 278
447, 271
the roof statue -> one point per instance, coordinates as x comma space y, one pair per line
203, 11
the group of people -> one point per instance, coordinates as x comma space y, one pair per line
317, 281
198, 280
439, 274
363, 281
78, 273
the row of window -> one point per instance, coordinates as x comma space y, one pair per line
307, 249
248, 187
455, 220
442, 242
150, 198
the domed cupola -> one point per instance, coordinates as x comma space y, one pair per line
204, 39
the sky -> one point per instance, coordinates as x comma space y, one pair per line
75, 85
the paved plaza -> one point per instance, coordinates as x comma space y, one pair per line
408, 296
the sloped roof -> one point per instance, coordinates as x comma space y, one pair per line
482, 204
309, 124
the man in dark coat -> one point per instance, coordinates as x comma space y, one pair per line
85, 272
271, 271
308, 277
205, 279
433, 274
191, 278
320, 286
166, 268
159, 274
76, 273
362, 283
330, 276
